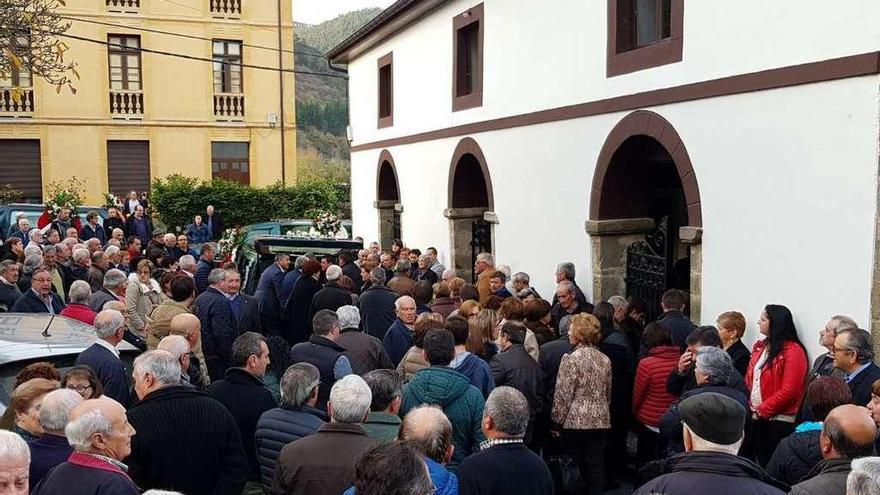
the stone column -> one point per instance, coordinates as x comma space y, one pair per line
460, 232
609, 240
693, 238
386, 221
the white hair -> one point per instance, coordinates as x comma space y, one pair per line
13, 447
80, 254
487, 258
108, 322
505, 269
619, 302
216, 276
176, 345
114, 278
112, 250
864, 479
333, 273
448, 274
80, 430
349, 316
187, 261
35, 234
79, 292
350, 399
162, 365
55, 408
703, 445
170, 236
403, 299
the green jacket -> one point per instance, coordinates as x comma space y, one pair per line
382, 426
462, 402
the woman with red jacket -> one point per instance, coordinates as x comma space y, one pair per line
650, 397
775, 379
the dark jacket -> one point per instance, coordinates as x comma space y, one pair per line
444, 306
557, 313
47, 452
89, 232
198, 234
322, 463
515, 368
216, 222
247, 398
740, 355
397, 341
100, 298
268, 291
581, 299
288, 282
461, 402
679, 326
279, 427
365, 352
505, 469
111, 372
828, 477
203, 269
382, 426
249, 315
795, 456
478, 373
9, 293
29, 302
678, 384
353, 272
297, 309
186, 441
549, 360
712, 472
377, 310
323, 353
331, 297
114, 223
861, 385
219, 330
670, 424
85, 474
131, 230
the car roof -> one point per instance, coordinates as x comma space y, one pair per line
25, 336
278, 243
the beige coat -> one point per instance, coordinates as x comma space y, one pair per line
140, 301
411, 363
583, 390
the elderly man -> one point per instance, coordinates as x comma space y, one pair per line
188, 266
521, 287
514, 367
92, 246
332, 296
103, 357
219, 327
244, 307
505, 464
52, 448
35, 238
296, 418
383, 421
214, 221
188, 326
847, 433
268, 294
854, 354
14, 463
63, 221
566, 303
40, 298
78, 307
322, 351
565, 272
365, 352
484, 267
93, 229
82, 261
178, 347
323, 463
114, 254
24, 228
60, 281
196, 447
864, 479
100, 265
424, 273
244, 394
824, 363
9, 291
100, 435
402, 283
113, 289
140, 226
291, 277
377, 305
428, 430
398, 339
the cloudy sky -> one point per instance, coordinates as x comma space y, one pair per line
316, 11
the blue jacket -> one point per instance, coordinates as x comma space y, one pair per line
97, 232
111, 372
219, 330
397, 341
269, 290
287, 284
278, 427
47, 452
198, 234
478, 372
446, 483
377, 310
203, 269
28, 302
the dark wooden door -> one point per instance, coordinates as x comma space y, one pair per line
128, 166
20, 167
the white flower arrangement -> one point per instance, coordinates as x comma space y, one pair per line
326, 224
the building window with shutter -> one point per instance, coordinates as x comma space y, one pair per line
227, 67
386, 91
467, 69
230, 160
643, 34
125, 62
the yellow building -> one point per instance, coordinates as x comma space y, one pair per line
139, 115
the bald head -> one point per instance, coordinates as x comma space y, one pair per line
117, 305
428, 429
848, 432
186, 325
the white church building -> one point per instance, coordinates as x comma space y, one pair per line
728, 148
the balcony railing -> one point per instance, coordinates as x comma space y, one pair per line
230, 9
126, 6
126, 104
229, 107
10, 108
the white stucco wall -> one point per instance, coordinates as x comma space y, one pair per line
787, 178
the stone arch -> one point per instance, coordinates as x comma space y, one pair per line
387, 185
467, 156
388, 199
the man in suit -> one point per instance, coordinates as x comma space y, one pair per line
24, 226
214, 222
139, 225
244, 307
854, 354
131, 203
103, 356
219, 326
40, 298
268, 294
9, 291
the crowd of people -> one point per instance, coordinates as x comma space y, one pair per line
382, 372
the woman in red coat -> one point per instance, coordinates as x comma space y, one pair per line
775, 379
650, 397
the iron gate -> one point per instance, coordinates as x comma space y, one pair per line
395, 225
481, 242
648, 268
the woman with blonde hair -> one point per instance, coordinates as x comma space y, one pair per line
483, 334
581, 403
141, 298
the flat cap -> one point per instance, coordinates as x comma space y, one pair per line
714, 417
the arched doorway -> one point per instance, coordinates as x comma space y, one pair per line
471, 207
645, 216
388, 200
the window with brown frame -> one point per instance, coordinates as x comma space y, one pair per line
386, 91
230, 160
227, 66
124, 52
643, 34
467, 63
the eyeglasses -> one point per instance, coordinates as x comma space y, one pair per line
835, 350
79, 388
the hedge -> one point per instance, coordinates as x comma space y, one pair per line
177, 199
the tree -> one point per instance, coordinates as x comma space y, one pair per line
30, 32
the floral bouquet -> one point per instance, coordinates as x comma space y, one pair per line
64, 194
326, 224
112, 201
231, 240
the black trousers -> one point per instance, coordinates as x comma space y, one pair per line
587, 448
766, 435
650, 446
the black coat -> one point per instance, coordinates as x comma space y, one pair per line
96, 232
9, 293
353, 272
216, 225
249, 317
203, 269
186, 441
740, 355
277, 428
679, 325
114, 223
219, 330
378, 312
247, 398
28, 302
503, 469
795, 456
712, 472
828, 477
549, 360
323, 353
331, 297
516, 368
297, 309
365, 352
111, 372
861, 385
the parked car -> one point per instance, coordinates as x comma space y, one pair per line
254, 256
27, 338
287, 227
32, 212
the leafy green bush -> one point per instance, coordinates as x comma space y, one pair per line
177, 199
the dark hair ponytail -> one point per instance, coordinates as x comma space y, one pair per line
782, 329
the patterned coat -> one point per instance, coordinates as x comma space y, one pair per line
583, 390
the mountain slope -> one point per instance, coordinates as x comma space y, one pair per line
328, 34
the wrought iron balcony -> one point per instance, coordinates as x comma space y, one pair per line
126, 104
229, 9
23, 107
229, 107
125, 6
